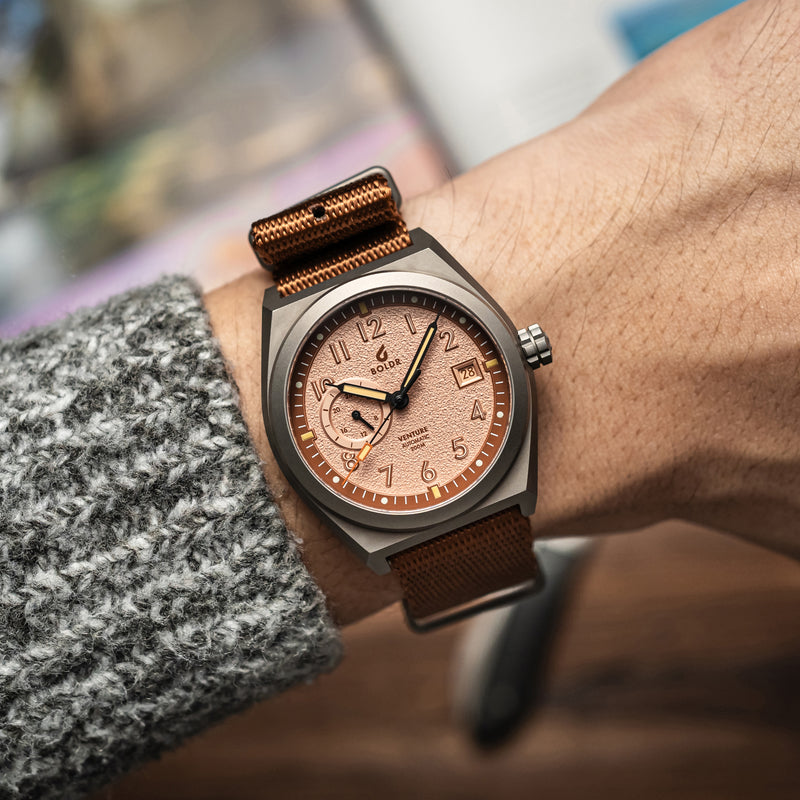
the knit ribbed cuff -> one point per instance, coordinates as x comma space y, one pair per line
148, 585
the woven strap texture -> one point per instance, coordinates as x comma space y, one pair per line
456, 568
330, 234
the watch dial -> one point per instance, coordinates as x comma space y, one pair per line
376, 445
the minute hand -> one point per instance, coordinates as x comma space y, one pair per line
424, 345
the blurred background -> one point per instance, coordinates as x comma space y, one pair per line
139, 137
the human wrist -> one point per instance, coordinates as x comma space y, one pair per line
533, 227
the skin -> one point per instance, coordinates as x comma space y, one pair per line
655, 238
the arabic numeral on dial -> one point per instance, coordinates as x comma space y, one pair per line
450, 336
339, 351
388, 471
350, 460
320, 387
375, 325
477, 411
428, 473
459, 448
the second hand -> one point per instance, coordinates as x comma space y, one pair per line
364, 451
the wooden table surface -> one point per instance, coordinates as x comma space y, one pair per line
676, 675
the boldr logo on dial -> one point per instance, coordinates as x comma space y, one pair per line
385, 362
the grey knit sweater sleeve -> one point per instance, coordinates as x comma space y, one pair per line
148, 586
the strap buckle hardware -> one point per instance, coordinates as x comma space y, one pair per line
495, 600
366, 173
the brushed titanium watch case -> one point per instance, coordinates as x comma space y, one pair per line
374, 535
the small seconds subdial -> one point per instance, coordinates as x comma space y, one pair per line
350, 421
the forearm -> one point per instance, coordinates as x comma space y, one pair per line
657, 238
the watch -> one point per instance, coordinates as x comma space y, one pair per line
399, 399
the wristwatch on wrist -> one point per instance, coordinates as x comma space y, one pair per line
399, 399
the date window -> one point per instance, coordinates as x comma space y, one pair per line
467, 372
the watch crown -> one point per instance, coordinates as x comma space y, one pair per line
535, 345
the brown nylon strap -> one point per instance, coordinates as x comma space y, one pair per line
456, 568
330, 234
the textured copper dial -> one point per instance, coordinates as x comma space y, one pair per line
413, 456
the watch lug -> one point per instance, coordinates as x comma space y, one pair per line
447, 267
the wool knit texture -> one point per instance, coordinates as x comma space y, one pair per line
148, 586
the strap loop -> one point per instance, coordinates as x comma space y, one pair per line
331, 233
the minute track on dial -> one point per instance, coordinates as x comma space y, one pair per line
432, 449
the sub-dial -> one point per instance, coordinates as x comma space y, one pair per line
351, 421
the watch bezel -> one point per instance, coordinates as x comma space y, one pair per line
279, 429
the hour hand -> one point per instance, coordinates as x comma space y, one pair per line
363, 391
